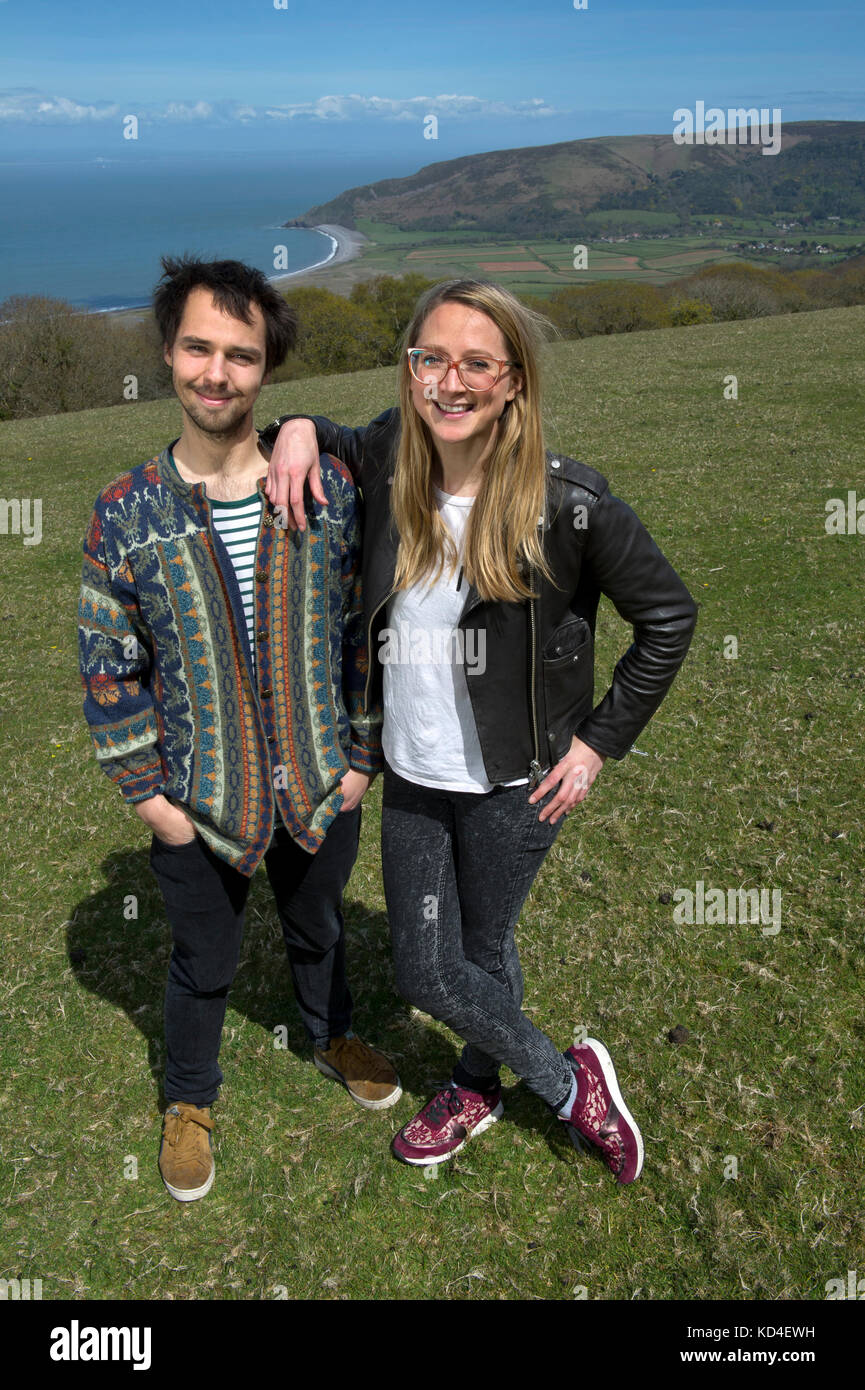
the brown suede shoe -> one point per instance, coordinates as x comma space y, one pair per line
185, 1158
367, 1075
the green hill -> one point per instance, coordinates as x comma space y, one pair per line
819, 172
749, 776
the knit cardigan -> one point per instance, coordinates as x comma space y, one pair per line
170, 695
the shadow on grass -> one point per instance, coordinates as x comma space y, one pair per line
119, 944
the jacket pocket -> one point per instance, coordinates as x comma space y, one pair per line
568, 682
567, 642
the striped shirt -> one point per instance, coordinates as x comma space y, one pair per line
238, 524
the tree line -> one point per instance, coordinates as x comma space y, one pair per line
53, 358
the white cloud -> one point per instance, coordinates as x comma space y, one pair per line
40, 108
355, 107
180, 111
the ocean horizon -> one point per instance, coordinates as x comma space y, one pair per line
92, 230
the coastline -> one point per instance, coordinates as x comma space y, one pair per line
346, 245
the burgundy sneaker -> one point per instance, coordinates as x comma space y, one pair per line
439, 1130
599, 1113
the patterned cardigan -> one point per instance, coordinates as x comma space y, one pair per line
170, 697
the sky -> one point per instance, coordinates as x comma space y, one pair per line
353, 79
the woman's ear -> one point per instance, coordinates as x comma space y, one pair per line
516, 386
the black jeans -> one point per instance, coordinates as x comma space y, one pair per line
205, 901
457, 868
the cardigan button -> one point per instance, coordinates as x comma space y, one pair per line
262, 634
261, 577
268, 520
266, 694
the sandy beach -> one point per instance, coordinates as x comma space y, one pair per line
332, 272
346, 245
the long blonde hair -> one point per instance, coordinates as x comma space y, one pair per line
502, 543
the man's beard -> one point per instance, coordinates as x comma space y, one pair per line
229, 427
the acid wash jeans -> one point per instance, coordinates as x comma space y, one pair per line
457, 868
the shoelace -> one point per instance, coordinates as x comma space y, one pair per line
608, 1140
611, 1145
595, 1103
181, 1118
447, 1102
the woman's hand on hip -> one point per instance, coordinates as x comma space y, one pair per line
295, 455
573, 776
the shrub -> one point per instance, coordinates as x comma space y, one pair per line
334, 335
390, 299
688, 311
54, 358
607, 307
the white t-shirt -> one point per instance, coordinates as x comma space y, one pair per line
429, 733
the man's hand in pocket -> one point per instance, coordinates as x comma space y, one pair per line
354, 786
167, 822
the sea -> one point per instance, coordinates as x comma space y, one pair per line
91, 230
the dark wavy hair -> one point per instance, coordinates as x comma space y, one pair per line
234, 287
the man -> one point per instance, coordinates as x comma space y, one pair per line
224, 667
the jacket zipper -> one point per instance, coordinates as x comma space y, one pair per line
535, 764
535, 769
369, 652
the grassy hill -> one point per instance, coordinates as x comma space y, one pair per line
549, 189
750, 775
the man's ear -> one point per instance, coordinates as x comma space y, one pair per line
166, 354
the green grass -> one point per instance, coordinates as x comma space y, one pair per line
447, 254
632, 217
385, 233
307, 1198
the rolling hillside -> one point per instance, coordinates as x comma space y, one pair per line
819, 172
741, 1051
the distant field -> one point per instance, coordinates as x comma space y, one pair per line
635, 218
689, 258
524, 265
750, 775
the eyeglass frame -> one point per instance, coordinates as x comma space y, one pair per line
501, 363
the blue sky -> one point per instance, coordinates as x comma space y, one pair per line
347, 76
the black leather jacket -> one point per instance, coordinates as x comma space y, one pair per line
535, 689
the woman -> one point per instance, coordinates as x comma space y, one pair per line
484, 560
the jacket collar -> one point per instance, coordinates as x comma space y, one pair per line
170, 478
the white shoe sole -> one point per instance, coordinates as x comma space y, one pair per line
191, 1194
443, 1158
327, 1070
611, 1079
